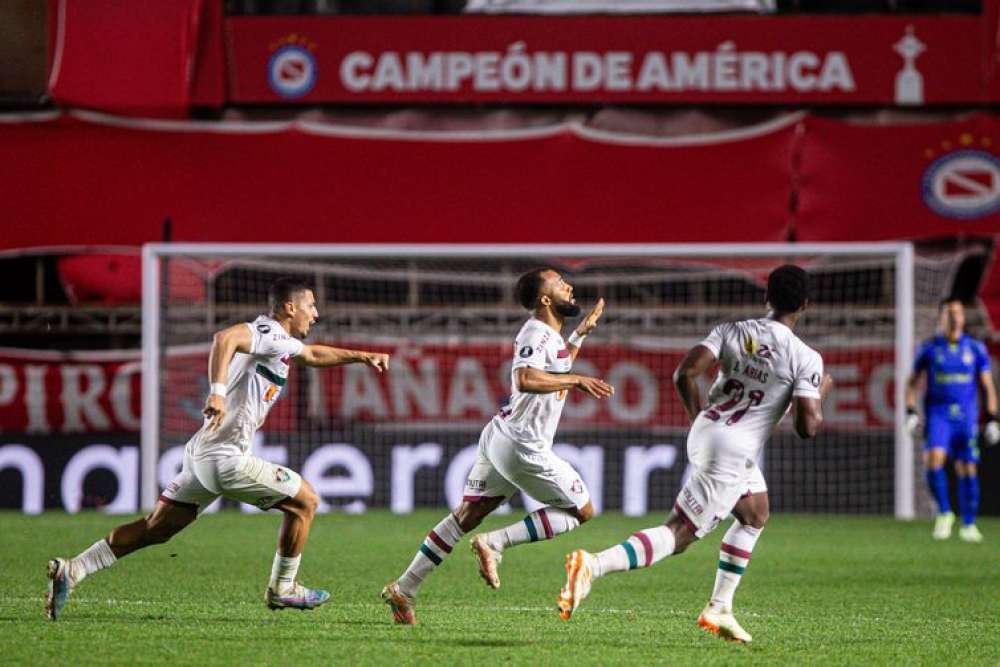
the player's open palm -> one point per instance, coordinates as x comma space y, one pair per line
590, 321
215, 410
377, 360
596, 387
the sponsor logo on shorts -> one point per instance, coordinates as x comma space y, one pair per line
475, 484
690, 502
281, 475
576, 486
749, 463
172, 488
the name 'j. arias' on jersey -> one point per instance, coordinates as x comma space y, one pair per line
532, 419
255, 382
762, 366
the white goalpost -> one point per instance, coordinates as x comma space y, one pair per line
447, 314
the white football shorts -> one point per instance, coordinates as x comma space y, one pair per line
503, 466
723, 470
245, 478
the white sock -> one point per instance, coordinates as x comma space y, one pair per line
734, 556
283, 572
543, 524
435, 548
97, 557
642, 549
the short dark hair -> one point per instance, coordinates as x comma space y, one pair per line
529, 286
950, 299
283, 290
788, 288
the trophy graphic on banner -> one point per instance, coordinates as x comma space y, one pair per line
909, 81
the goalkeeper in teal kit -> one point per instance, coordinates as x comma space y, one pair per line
956, 366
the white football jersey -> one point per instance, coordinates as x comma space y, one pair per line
762, 366
255, 382
531, 419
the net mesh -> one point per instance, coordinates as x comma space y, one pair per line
407, 438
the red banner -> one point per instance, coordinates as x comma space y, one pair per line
428, 386
927, 180
112, 181
904, 60
152, 59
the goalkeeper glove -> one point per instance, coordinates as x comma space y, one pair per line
991, 432
913, 422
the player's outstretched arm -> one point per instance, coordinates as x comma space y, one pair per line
809, 411
324, 356
586, 326
535, 381
695, 363
225, 344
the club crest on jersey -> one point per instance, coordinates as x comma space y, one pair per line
967, 358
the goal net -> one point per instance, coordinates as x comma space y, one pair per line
406, 438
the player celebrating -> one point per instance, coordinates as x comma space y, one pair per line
954, 364
515, 448
764, 369
248, 369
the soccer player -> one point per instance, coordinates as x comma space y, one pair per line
515, 448
764, 371
248, 369
955, 365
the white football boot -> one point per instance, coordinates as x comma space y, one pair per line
722, 623
579, 577
943, 524
970, 534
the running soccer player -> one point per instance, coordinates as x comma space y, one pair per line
515, 448
764, 370
248, 368
955, 366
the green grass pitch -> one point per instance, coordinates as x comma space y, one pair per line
820, 590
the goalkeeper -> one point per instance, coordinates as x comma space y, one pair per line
956, 366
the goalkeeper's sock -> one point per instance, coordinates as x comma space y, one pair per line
734, 556
543, 524
97, 557
937, 481
284, 569
436, 547
968, 498
642, 549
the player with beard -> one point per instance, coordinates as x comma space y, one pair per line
515, 448
247, 370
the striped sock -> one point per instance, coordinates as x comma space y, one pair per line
642, 549
734, 556
543, 524
436, 547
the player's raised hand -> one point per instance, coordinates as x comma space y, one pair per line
991, 432
377, 360
590, 321
215, 410
596, 387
